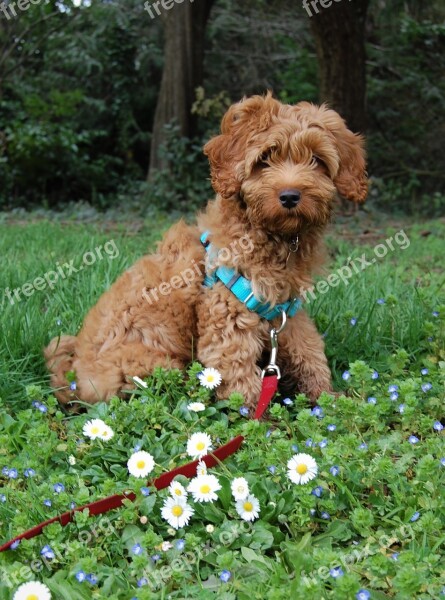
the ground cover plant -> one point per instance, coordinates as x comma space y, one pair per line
365, 520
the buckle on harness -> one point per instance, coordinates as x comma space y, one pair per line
272, 366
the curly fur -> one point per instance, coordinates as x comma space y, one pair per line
264, 147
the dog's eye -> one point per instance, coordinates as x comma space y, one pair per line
319, 162
263, 161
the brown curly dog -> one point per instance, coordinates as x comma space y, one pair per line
275, 169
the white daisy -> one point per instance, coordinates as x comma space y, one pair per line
204, 488
177, 490
33, 590
140, 464
301, 468
202, 468
176, 512
165, 546
71, 460
139, 382
210, 528
210, 378
106, 433
93, 429
196, 406
248, 508
240, 488
199, 445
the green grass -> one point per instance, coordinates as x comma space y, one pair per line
379, 517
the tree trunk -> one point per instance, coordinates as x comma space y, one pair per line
339, 32
184, 35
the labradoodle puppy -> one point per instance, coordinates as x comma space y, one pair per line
275, 169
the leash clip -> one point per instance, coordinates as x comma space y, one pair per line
272, 366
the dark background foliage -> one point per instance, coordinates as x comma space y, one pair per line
80, 85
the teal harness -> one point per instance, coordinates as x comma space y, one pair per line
241, 287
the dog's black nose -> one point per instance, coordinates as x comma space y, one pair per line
290, 198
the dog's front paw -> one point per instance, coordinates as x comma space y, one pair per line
250, 389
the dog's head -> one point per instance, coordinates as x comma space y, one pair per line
286, 162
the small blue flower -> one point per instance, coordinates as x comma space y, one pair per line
393, 388
336, 572
58, 322
413, 439
334, 470
35, 404
5, 471
325, 515
346, 375
317, 411
426, 387
156, 557
401, 408
381, 301
142, 581
394, 396
272, 469
145, 491
438, 426
309, 443
43, 408
180, 544
59, 488
47, 552
442, 462
435, 313
47, 502
268, 433
137, 448
431, 338
72, 505
374, 375
323, 443
225, 576
73, 386
91, 578
424, 371
15, 544
363, 595
312, 512
3, 497
331, 427
395, 555
317, 491
372, 400
294, 448
287, 402
415, 516
137, 549
29, 472
80, 576
353, 322
363, 446
244, 411
13, 474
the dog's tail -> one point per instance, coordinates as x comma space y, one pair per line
59, 359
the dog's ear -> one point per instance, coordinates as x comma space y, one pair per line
226, 152
351, 180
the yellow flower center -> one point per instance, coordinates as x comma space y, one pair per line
105, 433
205, 489
95, 430
240, 489
177, 511
248, 506
210, 378
32, 597
301, 469
200, 446
140, 464
178, 492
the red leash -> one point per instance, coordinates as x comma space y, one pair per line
269, 387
